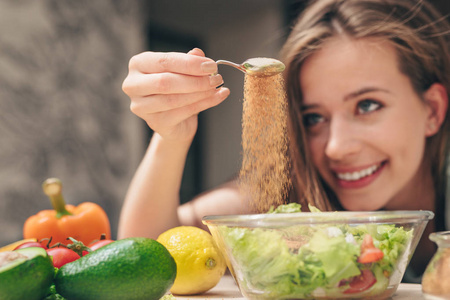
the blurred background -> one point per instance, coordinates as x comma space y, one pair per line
63, 113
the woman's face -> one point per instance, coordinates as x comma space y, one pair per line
366, 126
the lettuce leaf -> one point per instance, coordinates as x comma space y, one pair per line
286, 208
337, 256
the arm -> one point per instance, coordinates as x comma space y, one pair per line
168, 91
152, 199
223, 200
152, 202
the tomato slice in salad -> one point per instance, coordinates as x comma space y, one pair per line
369, 253
370, 256
361, 282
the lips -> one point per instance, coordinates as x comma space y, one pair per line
358, 178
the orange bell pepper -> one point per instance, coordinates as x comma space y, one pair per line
85, 222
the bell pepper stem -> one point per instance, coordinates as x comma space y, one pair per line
53, 189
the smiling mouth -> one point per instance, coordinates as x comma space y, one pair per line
358, 175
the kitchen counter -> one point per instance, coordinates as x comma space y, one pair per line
227, 289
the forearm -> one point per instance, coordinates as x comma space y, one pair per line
152, 199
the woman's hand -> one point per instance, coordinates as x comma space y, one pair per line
169, 90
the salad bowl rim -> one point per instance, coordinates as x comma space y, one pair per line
311, 218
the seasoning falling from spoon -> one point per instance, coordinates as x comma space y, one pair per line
264, 180
258, 66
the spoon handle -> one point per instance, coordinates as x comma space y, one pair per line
231, 64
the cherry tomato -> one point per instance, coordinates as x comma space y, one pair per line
30, 244
62, 256
100, 244
361, 282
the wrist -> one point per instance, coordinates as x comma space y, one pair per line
171, 143
169, 151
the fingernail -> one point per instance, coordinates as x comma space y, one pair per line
223, 92
215, 80
209, 67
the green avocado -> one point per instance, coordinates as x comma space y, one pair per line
132, 269
25, 274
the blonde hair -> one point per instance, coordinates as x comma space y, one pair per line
420, 36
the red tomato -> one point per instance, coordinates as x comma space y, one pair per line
62, 256
30, 244
361, 283
369, 253
100, 244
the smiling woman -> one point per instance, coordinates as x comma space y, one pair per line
367, 85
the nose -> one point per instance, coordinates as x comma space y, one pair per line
343, 140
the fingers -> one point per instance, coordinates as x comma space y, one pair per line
157, 62
170, 73
160, 103
168, 89
197, 51
168, 83
161, 113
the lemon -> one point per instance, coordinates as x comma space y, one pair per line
200, 265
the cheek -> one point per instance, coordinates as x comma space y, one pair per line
316, 147
406, 150
402, 136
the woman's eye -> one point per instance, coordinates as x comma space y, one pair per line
368, 106
312, 119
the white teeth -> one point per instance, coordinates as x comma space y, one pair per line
352, 176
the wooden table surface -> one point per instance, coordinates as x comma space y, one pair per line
227, 289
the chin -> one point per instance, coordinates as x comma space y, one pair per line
358, 205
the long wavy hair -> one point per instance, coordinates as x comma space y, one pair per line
420, 36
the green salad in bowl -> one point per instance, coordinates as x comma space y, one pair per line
288, 254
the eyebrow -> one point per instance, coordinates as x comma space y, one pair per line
364, 91
351, 95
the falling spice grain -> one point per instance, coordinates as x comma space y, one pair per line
264, 175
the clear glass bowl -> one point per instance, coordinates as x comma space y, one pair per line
318, 255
